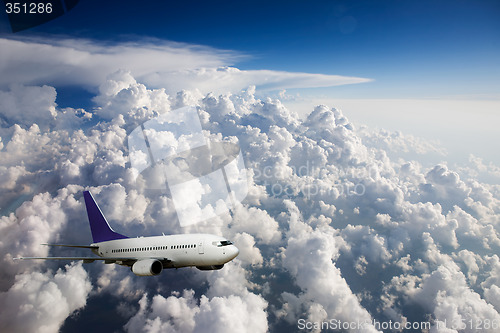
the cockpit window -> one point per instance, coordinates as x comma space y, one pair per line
222, 243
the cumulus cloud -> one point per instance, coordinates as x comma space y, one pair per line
28, 105
41, 302
227, 305
446, 294
178, 313
333, 226
35, 222
308, 257
399, 142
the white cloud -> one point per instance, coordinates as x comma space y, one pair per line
230, 79
171, 314
249, 253
257, 222
470, 124
28, 105
87, 63
41, 302
35, 222
446, 294
182, 314
310, 251
233, 313
308, 257
398, 142
174, 66
227, 305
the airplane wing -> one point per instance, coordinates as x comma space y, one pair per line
107, 260
127, 261
78, 246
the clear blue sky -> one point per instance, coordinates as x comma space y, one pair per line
412, 49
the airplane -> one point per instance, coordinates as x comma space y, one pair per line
148, 256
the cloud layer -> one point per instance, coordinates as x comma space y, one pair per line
332, 227
168, 65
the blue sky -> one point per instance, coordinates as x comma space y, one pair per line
412, 49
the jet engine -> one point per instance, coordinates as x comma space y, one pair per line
210, 268
147, 267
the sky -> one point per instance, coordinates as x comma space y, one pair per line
368, 133
412, 49
406, 50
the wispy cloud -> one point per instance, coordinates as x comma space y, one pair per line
157, 63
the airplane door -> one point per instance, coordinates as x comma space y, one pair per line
200, 248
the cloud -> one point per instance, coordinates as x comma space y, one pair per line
333, 227
158, 63
446, 294
182, 314
308, 257
398, 142
41, 302
256, 222
28, 105
38, 221
230, 79
249, 253
86, 62
227, 305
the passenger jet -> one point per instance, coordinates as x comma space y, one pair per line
148, 256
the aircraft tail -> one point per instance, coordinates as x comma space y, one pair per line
101, 231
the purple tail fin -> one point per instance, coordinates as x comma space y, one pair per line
101, 231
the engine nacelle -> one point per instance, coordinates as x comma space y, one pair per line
210, 268
147, 267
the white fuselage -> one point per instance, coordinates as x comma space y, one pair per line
181, 250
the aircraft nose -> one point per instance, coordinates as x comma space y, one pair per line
234, 252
